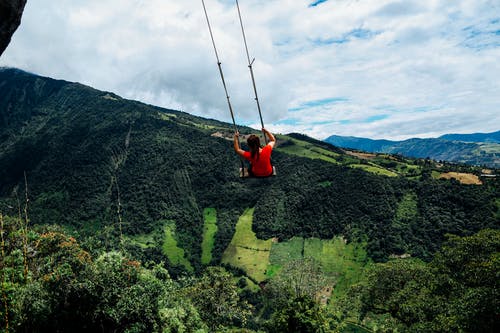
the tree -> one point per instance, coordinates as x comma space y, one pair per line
300, 315
292, 297
457, 291
467, 270
69, 291
298, 279
215, 295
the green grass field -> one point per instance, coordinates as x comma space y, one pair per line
435, 174
283, 252
174, 253
374, 169
343, 263
305, 149
166, 116
262, 259
246, 251
209, 231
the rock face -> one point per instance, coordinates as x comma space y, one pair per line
10, 18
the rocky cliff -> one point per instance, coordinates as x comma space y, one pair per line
10, 18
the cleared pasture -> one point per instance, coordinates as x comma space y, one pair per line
464, 178
246, 251
209, 231
170, 249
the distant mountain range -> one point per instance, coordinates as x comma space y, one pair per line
475, 149
475, 137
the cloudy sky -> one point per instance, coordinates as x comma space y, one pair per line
379, 69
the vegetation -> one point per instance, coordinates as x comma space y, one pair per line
87, 153
105, 227
209, 230
456, 292
246, 251
172, 251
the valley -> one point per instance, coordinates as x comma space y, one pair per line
122, 195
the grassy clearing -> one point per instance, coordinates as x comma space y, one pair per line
347, 261
203, 126
324, 152
166, 116
363, 156
174, 253
344, 263
374, 169
330, 253
209, 231
464, 178
435, 174
304, 149
246, 251
283, 252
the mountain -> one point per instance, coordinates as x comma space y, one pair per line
110, 169
353, 142
475, 137
121, 216
473, 149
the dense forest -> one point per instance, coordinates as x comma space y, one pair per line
86, 175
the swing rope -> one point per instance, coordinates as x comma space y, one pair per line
219, 64
250, 66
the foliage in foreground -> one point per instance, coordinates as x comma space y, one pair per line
68, 289
457, 292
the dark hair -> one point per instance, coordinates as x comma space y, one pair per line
253, 143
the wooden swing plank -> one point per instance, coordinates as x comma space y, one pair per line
244, 173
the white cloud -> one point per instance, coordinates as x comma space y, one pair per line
401, 68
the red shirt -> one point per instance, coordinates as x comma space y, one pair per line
261, 164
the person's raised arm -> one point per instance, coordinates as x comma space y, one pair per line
237, 148
272, 139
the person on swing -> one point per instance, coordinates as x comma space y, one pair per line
259, 157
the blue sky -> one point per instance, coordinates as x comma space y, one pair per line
379, 69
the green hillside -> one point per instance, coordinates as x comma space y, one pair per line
85, 152
129, 204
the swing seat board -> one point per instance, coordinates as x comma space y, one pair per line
244, 173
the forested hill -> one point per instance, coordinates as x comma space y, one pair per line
101, 165
473, 149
